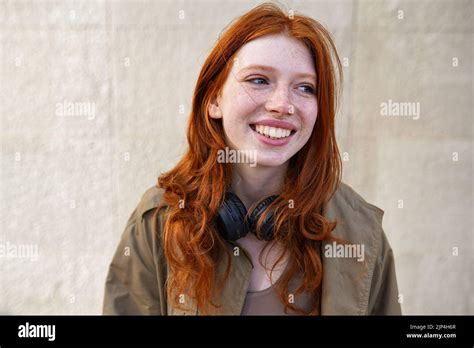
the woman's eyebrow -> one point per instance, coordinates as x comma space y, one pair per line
272, 69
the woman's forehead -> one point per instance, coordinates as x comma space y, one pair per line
277, 52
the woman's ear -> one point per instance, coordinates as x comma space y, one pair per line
214, 109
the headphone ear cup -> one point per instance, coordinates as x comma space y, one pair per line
266, 230
231, 218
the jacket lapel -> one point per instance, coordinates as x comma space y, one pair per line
232, 297
346, 281
234, 292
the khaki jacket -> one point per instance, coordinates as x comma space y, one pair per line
136, 277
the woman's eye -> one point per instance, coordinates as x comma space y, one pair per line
257, 79
309, 89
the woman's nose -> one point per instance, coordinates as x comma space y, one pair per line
279, 101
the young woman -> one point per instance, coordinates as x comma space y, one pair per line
270, 228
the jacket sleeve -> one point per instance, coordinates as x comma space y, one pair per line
383, 299
133, 281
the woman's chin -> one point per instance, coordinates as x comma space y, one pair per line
271, 162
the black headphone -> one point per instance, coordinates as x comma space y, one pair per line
233, 224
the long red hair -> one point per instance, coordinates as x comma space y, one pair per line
194, 189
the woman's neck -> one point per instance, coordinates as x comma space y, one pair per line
252, 184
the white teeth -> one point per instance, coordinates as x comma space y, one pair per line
272, 132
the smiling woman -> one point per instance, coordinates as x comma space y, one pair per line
226, 237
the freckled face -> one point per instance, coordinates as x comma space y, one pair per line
272, 81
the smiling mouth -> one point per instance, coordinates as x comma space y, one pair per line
272, 132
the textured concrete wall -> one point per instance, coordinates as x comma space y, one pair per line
94, 100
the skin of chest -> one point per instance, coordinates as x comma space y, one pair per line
260, 275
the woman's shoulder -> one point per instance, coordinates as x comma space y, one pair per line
357, 220
347, 200
372, 281
149, 200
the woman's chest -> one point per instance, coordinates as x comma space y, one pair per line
263, 258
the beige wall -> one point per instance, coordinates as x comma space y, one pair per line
70, 182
